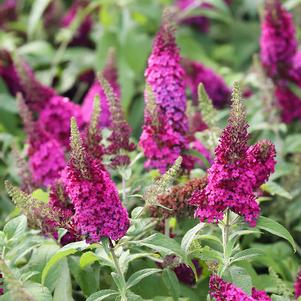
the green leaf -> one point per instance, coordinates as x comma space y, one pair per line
63, 289
189, 237
247, 254
15, 227
63, 252
163, 244
275, 228
292, 144
38, 291
172, 283
241, 279
87, 259
101, 295
35, 16
118, 281
139, 275
275, 189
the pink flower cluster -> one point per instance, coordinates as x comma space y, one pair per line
215, 86
98, 209
221, 290
237, 172
165, 130
46, 161
55, 118
281, 59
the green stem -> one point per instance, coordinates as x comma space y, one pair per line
119, 272
226, 230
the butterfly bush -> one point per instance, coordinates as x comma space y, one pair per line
46, 157
55, 118
215, 86
98, 209
221, 290
8, 12
164, 136
280, 58
236, 173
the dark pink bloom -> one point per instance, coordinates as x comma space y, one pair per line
98, 209
278, 40
200, 23
214, 85
261, 157
55, 118
110, 74
165, 76
221, 290
81, 37
288, 102
46, 161
161, 144
165, 121
297, 286
234, 175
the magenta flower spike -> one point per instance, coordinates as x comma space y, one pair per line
278, 40
98, 209
237, 171
165, 121
221, 290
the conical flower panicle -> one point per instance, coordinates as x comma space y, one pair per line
93, 137
235, 176
78, 155
26, 115
36, 95
165, 76
151, 108
221, 290
162, 184
205, 103
278, 40
121, 131
38, 213
234, 139
98, 209
24, 172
